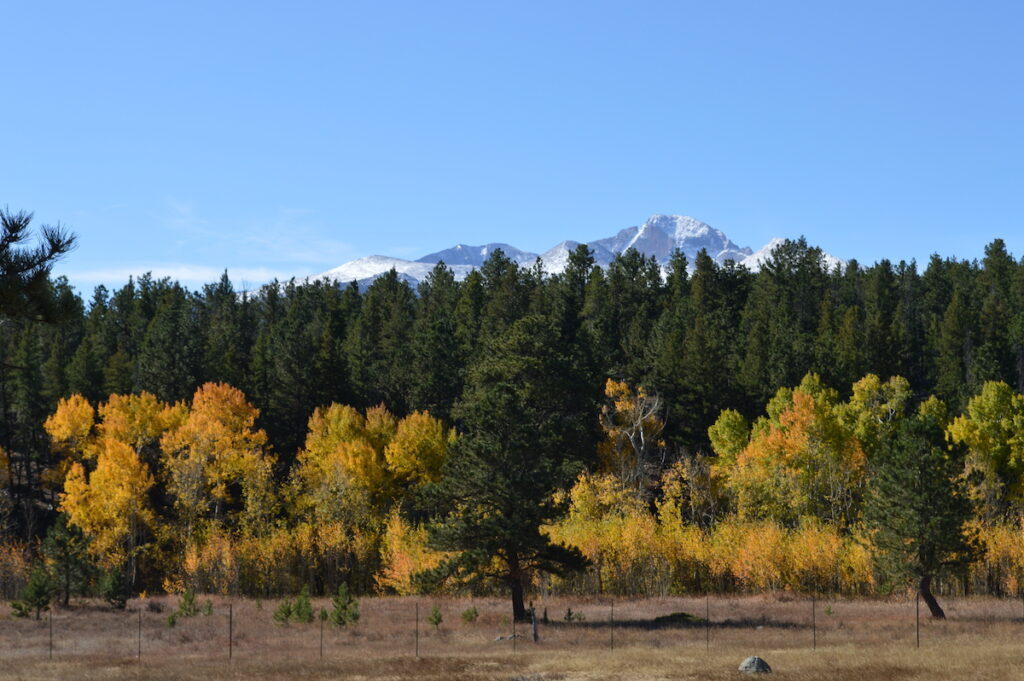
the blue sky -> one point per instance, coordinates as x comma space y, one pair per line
284, 139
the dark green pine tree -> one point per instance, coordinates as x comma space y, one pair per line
224, 346
634, 303
377, 344
666, 347
956, 352
919, 504
437, 360
69, 562
994, 361
169, 359
525, 435
507, 290
285, 351
708, 354
25, 287
468, 315
848, 353
878, 346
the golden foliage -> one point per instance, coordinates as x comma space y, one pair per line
418, 449
70, 426
215, 447
111, 505
802, 460
404, 553
632, 433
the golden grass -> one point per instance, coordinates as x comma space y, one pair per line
856, 639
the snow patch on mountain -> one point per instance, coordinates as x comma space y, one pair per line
476, 255
364, 270
660, 236
756, 260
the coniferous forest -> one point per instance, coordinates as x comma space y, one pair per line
627, 430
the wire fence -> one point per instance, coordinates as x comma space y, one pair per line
409, 627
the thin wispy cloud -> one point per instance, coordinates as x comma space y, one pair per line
289, 235
193, 276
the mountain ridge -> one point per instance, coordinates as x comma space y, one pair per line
659, 236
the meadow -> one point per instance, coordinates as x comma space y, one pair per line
846, 639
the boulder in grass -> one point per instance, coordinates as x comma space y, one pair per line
755, 665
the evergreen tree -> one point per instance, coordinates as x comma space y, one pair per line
919, 504
25, 289
525, 437
436, 376
65, 550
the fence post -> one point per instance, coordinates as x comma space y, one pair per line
611, 619
814, 624
513, 633
707, 622
51, 633
231, 630
139, 652
321, 617
533, 618
917, 608
417, 630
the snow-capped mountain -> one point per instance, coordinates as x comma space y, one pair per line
476, 255
755, 260
660, 236
364, 270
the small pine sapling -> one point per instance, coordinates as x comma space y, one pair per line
470, 614
113, 588
283, 612
303, 610
571, 616
345, 608
187, 604
37, 594
435, 617
207, 608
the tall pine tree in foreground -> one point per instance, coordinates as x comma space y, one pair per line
525, 436
919, 506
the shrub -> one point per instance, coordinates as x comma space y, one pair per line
435, 617
470, 614
113, 588
283, 612
303, 609
345, 608
37, 594
187, 604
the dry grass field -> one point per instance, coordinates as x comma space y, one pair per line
871, 639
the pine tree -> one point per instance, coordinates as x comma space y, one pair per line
25, 290
919, 504
436, 377
66, 551
525, 437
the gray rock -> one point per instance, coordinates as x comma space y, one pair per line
755, 665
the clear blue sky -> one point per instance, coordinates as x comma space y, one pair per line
284, 139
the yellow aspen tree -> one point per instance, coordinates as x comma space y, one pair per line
70, 427
801, 460
993, 430
139, 421
632, 448
344, 457
418, 449
111, 504
215, 449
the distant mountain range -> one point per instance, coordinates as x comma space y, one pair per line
658, 237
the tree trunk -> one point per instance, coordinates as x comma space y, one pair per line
518, 607
929, 599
